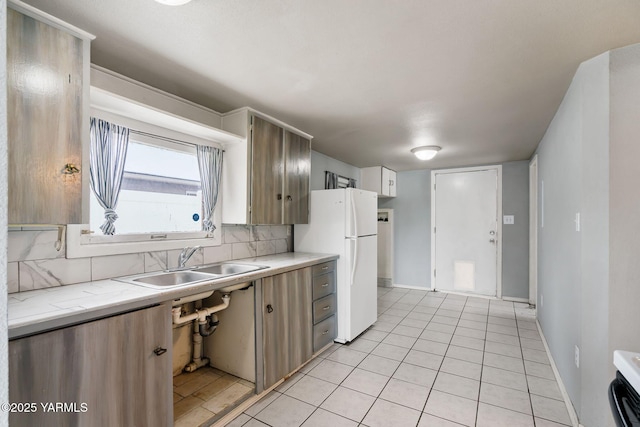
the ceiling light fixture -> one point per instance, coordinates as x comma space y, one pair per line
173, 2
426, 152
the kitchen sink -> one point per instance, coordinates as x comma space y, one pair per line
228, 269
180, 278
176, 278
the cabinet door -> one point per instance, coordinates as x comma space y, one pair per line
287, 323
392, 183
44, 95
109, 365
385, 182
267, 171
296, 185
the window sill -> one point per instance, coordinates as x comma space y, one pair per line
84, 246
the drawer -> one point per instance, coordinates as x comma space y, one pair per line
325, 267
324, 285
324, 333
324, 307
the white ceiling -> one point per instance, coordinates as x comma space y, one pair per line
370, 79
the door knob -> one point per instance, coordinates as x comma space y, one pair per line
492, 240
492, 233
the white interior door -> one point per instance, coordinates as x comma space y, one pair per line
466, 228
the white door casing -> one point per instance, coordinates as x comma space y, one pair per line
466, 230
533, 230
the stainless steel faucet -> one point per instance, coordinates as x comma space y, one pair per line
185, 255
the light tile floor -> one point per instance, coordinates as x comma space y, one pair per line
431, 360
201, 395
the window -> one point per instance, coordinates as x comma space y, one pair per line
160, 190
160, 204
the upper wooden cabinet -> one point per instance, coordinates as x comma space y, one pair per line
266, 180
379, 179
46, 91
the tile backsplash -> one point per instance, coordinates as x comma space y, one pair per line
34, 263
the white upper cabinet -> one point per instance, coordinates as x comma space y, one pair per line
379, 179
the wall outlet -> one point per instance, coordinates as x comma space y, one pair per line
577, 221
508, 219
577, 357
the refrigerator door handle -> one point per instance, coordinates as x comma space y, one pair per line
354, 260
354, 217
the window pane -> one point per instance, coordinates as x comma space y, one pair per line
160, 192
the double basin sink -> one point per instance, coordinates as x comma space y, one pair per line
179, 278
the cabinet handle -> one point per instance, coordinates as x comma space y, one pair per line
390, 183
325, 285
289, 198
279, 197
326, 267
269, 308
159, 351
325, 332
326, 308
70, 169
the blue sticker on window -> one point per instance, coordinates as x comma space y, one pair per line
196, 217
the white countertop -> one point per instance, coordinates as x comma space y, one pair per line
45, 309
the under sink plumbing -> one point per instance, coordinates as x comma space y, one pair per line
205, 323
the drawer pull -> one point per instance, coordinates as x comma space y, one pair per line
325, 332
160, 351
326, 267
325, 285
326, 308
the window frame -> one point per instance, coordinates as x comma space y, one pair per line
83, 242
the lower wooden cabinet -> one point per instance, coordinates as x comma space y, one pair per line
110, 372
287, 323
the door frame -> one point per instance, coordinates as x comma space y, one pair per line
498, 169
533, 230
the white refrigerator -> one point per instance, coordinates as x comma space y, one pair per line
344, 222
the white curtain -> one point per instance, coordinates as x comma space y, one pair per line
210, 166
107, 156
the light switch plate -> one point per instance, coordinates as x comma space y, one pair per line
508, 219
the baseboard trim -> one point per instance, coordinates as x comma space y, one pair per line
567, 401
419, 288
514, 299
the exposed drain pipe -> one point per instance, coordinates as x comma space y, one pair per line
200, 313
205, 326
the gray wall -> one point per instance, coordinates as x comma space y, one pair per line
4, 377
412, 223
596, 361
515, 237
559, 245
589, 278
624, 201
321, 163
